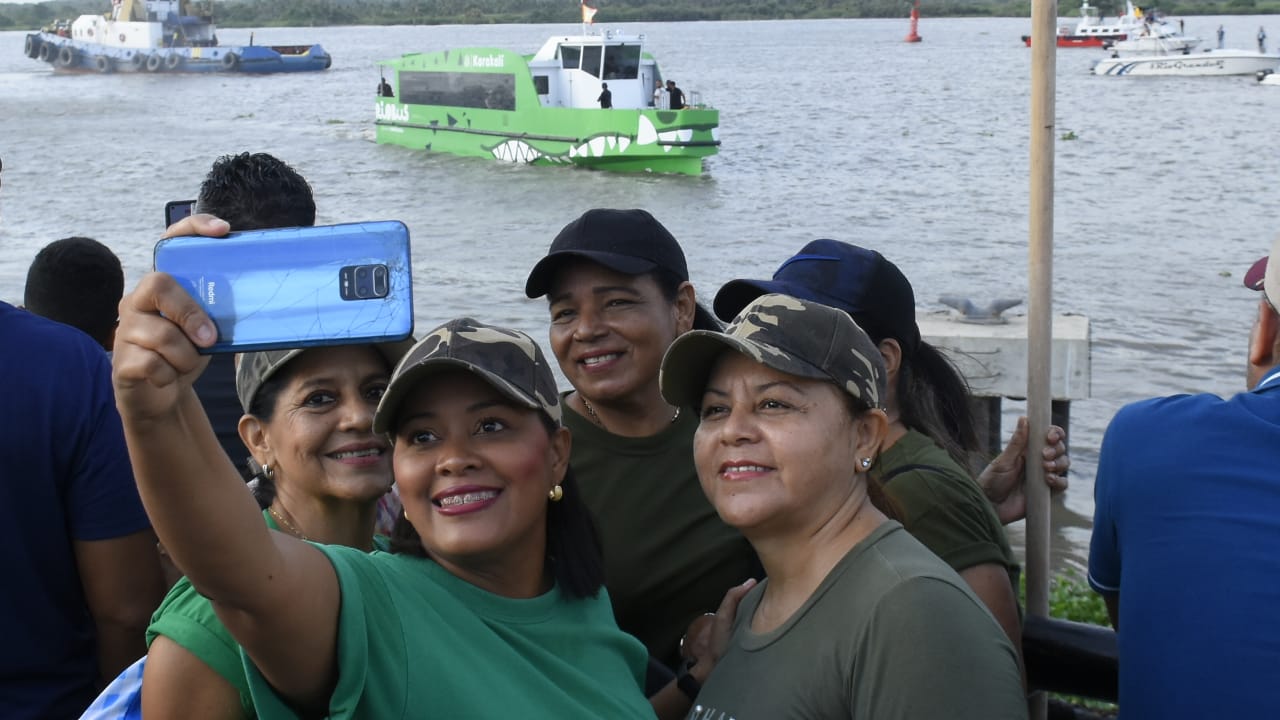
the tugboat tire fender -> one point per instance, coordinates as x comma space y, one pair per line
153, 63
102, 63
231, 61
48, 53
172, 61
138, 61
32, 46
66, 56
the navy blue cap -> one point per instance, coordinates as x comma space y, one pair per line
854, 279
631, 242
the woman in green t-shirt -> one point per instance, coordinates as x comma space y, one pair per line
320, 471
618, 293
491, 599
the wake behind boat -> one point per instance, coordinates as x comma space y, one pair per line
549, 108
160, 36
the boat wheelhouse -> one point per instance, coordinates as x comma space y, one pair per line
546, 108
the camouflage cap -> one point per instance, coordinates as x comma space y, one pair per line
255, 368
797, 337
507, 359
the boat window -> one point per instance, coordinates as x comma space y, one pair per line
540, 84
622, 62
570, 56
591, 59
496, 91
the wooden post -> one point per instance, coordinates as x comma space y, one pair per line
1044, 18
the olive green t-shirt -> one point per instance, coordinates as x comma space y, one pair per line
668, 557
890, 634
942, 505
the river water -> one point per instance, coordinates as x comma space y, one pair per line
830, 128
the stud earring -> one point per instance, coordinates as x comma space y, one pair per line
555, 493
866, 463
268, 472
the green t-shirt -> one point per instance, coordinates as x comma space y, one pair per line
890, 634
416, 642
668, 556
187, 618
943, 507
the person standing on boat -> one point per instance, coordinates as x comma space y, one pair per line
606, 97
1222, 34
1262, 39
1185, 528
661, 98
675, 95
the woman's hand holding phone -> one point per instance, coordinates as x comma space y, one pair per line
156, 357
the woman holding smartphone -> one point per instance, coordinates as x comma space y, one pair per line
490, 599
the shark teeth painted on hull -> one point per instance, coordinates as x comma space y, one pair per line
667, 138
623, 143
597, 146
516, 151
646, 134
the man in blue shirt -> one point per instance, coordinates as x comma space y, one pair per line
77, 555
1187, 531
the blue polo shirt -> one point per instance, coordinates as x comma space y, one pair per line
64, 476
1187, 532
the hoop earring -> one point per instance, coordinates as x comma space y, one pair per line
555, 493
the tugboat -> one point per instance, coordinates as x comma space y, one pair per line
160, 36
593, 100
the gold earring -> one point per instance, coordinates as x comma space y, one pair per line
556, 493
268, 472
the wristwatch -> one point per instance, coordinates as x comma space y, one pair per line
687, 683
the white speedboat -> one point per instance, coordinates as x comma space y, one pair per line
1163, 40
1207, 62
1268, 77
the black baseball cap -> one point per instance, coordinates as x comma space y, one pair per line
631, 242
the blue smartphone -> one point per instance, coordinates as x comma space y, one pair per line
298, 287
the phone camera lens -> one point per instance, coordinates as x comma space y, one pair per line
380, 281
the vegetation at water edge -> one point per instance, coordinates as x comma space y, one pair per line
303, 13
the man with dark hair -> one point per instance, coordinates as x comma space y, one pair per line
1186, 529
251, 191
675, 96
77, 281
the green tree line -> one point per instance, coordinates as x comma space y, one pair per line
303, 13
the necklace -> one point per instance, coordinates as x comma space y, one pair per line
596, 418
293, 530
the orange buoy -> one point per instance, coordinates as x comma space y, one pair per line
914, 36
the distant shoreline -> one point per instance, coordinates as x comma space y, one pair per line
265, 13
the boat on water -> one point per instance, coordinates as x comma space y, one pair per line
546, 108
1092, 31
1268, 77
160, 36
1162, 40
1207, 62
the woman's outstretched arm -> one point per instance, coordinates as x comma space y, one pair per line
278, 596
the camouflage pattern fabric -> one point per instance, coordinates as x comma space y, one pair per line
255, 368
507, 359
797, 337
